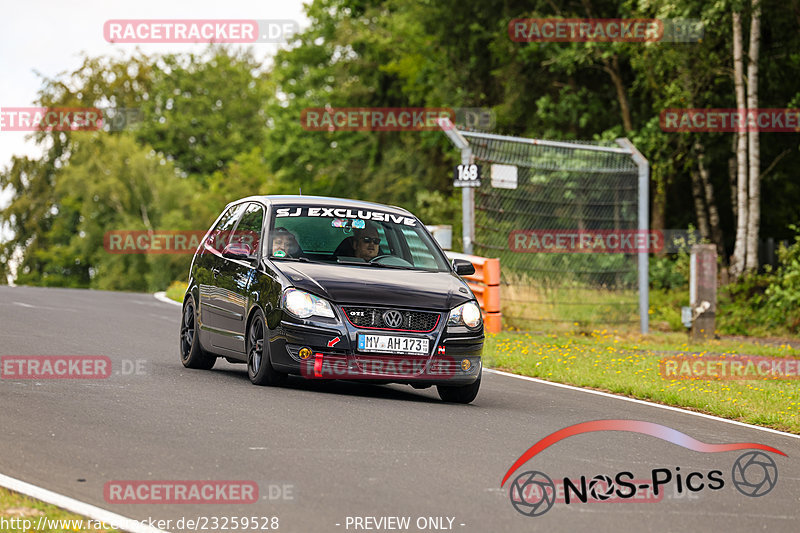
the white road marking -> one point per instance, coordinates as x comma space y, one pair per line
29, 306
81, 508
642, 402
162, 297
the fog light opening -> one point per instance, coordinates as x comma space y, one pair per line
466, 364
305, 353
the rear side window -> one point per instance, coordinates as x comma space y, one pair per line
221, 234
249, 229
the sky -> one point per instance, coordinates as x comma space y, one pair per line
47, 37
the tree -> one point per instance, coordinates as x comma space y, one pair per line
204, 110
740, 251
753, 147
113, 184
748, 152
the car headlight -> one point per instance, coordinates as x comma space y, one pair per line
303, 305
468, 314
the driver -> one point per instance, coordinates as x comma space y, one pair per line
366, 242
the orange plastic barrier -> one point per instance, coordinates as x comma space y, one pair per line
485, 283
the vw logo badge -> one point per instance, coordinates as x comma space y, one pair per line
392, 319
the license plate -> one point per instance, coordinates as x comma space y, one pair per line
392, 344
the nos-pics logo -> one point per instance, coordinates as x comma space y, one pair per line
533, 493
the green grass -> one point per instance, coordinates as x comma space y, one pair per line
628, 364
14, 505
176, 290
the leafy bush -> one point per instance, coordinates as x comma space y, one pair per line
672, 271
783, 295
669, 272
767, 303
742, 307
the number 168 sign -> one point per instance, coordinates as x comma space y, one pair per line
467, 176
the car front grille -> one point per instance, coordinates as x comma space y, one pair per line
373, 318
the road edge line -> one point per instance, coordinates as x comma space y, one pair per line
643, 402
70, 504
161, 296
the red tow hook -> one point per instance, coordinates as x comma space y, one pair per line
318, 365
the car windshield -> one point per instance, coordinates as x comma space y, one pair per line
352, 236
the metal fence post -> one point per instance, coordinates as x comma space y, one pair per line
467, 193
467, 207
644, 226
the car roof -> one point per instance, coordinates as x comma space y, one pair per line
296, 199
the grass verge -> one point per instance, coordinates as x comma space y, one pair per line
176, 290
16, 509
628, 364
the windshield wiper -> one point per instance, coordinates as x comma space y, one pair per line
287, 258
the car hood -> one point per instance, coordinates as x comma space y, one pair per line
345, 284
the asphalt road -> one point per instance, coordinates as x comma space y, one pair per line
341, 449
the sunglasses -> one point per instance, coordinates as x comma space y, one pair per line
373, 240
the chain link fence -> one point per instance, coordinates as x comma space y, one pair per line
539, 208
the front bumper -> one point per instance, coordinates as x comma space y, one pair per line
332, 353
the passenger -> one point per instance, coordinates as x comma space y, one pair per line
284, 244
366, 242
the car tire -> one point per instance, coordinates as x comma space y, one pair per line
192, 354
460, 394
259, 366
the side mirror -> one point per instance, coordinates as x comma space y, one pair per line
237, 250
463, 267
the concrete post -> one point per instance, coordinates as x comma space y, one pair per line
703, 291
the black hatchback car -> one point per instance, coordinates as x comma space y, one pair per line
328, 288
